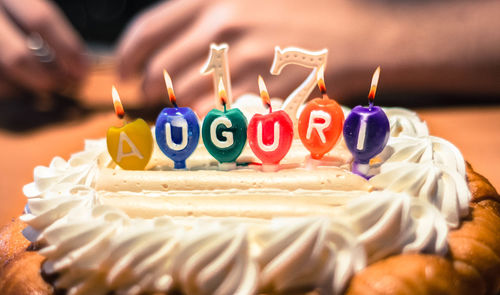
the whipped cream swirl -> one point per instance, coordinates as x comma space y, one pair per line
388, 223
405, 122
197, 255
442, 186
60, 175
308, 253
424, 149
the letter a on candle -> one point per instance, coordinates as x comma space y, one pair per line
134, 151
130, 146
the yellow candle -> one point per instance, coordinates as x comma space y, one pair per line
131, 145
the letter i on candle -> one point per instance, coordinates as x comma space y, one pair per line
270, 136
224, 133
177, 129
366, 131
131, 145
321, 121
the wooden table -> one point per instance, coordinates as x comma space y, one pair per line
474, 130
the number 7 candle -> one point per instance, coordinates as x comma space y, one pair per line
270, 136
366, 131
131, 145
177, 129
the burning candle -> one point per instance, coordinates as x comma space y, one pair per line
224, 132
177, 129
320, 123
131, 145
366, 131
270, 136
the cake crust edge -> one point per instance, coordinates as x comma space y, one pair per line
472, 265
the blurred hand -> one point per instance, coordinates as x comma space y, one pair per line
35, 21
175, 36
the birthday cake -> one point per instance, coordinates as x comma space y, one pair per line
420, 221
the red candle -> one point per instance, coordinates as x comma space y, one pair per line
270, 136
320, 123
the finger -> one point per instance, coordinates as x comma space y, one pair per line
46, 19
187, 54
19, 62
148, 32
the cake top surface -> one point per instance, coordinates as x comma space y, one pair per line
205, 232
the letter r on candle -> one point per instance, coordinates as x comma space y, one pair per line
227, 134
181, 123
319, 126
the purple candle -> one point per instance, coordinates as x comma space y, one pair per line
366, 132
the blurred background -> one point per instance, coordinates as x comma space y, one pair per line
59, 59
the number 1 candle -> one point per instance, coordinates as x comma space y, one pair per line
320, 123
366, 131
177, 129
131, 145
270, 136
224, 132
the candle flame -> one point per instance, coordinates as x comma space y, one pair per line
263, 92
170, 87
117, 103
373, 88
222, 93
320, 77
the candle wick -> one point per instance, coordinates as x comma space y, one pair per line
175, 104
370, 106
224, 105
270, 108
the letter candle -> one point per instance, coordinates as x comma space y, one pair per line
366, 131
177, 129
224, 132
320, 123
270, 136
131, 145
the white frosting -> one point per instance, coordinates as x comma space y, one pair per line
197, 255
424, 149
96, 248
308, 253
388, 223
80, 169
440, 185
250, 104
405, 122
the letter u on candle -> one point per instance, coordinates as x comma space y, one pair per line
181, 123
276, 138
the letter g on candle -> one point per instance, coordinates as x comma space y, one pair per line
227, 134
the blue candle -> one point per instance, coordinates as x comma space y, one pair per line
366, 132
177, 130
